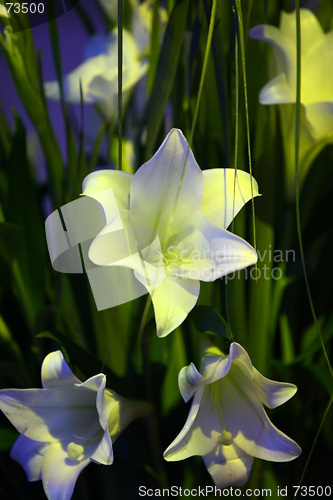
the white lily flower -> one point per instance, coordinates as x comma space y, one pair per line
189, 211
227, 424
65, 425
98, 74
316, 86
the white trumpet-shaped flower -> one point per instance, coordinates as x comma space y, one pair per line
186, 211
65, 425
227, 424
316, 86
98, 74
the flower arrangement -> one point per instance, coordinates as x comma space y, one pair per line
160, 221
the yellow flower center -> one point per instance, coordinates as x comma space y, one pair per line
180, 253
74, 451
225, 438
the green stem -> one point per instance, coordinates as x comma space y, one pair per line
141, 330
120, 81
203, 74
242, 48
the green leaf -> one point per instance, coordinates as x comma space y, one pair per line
9, 241
19, 51
21, 209
166, 71
287, 344
177, 360
208, 320
154, 46
221, 83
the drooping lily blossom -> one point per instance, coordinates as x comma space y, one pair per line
227, 424
316, 87
65, 425
187, 212
98, 74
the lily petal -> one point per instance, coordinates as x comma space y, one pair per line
173, 299
104, 452
317, 72
228, 465
216, 251
311, 30
60, 473
248, 423
286, 48
71, 82
3, 11
29, 454
32, 412
169, 187
273, 393
277, 91
97, 183
56, 372
189, 380
200, 432
320, 116
137, 248
220, 203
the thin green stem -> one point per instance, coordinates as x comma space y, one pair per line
236, 128
204, 71
236, 165
242, 48
297, 141
142, 327
120, 82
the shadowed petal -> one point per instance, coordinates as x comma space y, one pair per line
189, 380
104, 452
29, 454
60, 473
200, 433
277, 91
228, 466
286, 48
248, 423
181, 447
51, 414
56, 372
273, 393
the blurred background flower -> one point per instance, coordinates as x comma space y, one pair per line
316, 87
